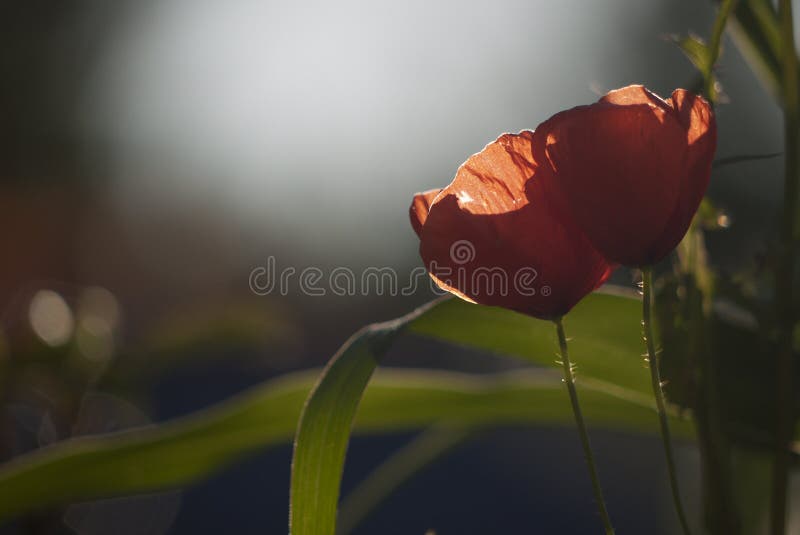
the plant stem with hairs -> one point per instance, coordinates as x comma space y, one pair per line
569, 380
658, 391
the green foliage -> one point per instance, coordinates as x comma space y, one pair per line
604, 331
160, 456
754, 28
704, 55
695, 49
699, 53
602, 323
324, 430
179, 452
176, 453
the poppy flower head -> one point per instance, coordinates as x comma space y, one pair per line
493, 237
631, 168
537, 220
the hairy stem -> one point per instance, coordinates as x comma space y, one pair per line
658, 391
569, 380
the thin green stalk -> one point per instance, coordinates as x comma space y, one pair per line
569, 380
784, 280
721, 514
658, 391
714, 47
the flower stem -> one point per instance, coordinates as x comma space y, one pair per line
569, 380
714, 48
658, 391
785, 291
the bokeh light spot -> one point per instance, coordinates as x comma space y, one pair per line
51, 318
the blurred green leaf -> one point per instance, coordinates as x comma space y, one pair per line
604, 330
154, 457
175, 453
605, 339
754, 28
704, 55
605, 322
612, 378
695, 49
202, 333
699, 53
752, 486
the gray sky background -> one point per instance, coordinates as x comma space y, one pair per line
314, 122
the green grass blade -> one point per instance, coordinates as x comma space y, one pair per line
173, 454
754, 29
162, 456
604, 329
325, 425
177, 453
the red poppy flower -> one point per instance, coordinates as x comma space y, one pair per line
631, 169
492, 236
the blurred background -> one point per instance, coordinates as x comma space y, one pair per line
154, 153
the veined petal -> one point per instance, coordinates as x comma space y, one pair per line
631, 169
696, 117
493, 237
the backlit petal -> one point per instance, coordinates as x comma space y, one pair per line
492, 240
420, 206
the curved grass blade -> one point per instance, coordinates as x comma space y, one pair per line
173, 454
177, 453
155, 457
754, 29
605, 345
325, 425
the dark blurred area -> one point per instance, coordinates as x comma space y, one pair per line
153, 153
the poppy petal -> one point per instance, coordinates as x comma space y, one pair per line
616, 168
420, 206
634, 94
697, 118
490, 239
